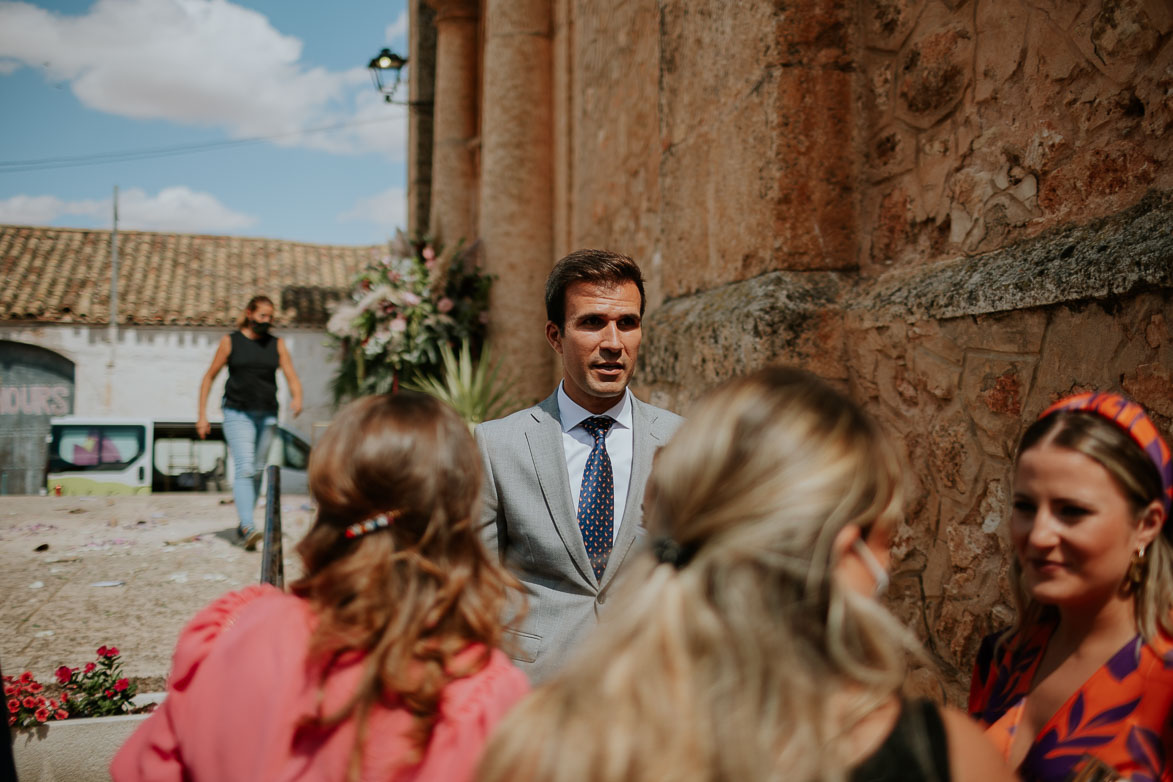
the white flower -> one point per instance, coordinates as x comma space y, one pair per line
410, 299
398, 325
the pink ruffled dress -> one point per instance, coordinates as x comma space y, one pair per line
240, 687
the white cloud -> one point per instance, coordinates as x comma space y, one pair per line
43, 210
396, 32
199, 62
175, 209
387, 210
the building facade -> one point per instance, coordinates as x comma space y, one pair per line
958, 210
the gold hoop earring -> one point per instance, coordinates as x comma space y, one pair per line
1137, 567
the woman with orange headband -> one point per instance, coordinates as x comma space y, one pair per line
1081, 686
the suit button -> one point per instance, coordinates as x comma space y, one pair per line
602, 599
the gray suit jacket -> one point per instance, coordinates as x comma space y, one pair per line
530, 521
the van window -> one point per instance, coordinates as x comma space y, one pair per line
95, 447
295, 453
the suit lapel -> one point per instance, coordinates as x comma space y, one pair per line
644, 442
544, 436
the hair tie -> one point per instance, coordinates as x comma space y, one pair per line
669, 552
382, 521
1130, 417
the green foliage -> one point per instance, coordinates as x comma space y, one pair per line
475, 389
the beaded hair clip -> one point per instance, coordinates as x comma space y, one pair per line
382, 521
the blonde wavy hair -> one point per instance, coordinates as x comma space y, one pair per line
1138, 480
749, 661
414, 595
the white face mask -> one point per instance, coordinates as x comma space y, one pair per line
872, 564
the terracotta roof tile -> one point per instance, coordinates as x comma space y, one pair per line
62, 275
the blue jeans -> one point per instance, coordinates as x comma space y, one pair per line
249, 434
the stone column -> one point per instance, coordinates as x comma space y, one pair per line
421, 90
453, 164
517, 210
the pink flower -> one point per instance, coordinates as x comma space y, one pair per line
64, 674
13, 705
410, 299
398, 325
61, 714
445, 305
121, 684
102, 650
41, 715
90, 667
428, 253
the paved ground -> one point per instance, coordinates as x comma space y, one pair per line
125, 571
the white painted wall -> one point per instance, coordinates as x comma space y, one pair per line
155, 372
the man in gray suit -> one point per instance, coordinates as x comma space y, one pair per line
564, 480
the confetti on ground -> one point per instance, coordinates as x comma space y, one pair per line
108, 584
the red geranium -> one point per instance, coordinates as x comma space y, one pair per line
13, 705
91, 666
64, 674
60, 714
35, 687
42, 715
11, 689
29, 702
102, 651
26, 677
121, 684
112, 651
109, 693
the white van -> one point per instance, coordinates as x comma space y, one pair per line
102, 455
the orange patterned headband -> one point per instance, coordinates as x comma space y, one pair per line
1130, 417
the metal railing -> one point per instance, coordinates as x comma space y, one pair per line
272, 556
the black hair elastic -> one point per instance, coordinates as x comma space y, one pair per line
669, 552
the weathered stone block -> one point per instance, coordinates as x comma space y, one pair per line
994, 388
887, 23
1105, 258
701, 340
1001, 29
935, 69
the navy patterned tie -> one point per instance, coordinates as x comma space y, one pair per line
596, 501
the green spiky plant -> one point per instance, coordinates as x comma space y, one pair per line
476, 390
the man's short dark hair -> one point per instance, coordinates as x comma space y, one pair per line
601, 267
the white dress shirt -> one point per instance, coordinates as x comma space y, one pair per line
577, 444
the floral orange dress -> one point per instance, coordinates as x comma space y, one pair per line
1120, 715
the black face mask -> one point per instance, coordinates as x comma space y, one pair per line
260, 329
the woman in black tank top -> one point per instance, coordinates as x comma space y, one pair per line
252, 356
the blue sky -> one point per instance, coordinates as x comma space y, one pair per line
92, 77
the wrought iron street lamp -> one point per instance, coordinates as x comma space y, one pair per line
390, 63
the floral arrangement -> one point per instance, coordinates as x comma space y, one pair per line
399, 313
97, 690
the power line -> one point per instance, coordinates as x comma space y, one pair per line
99, 158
